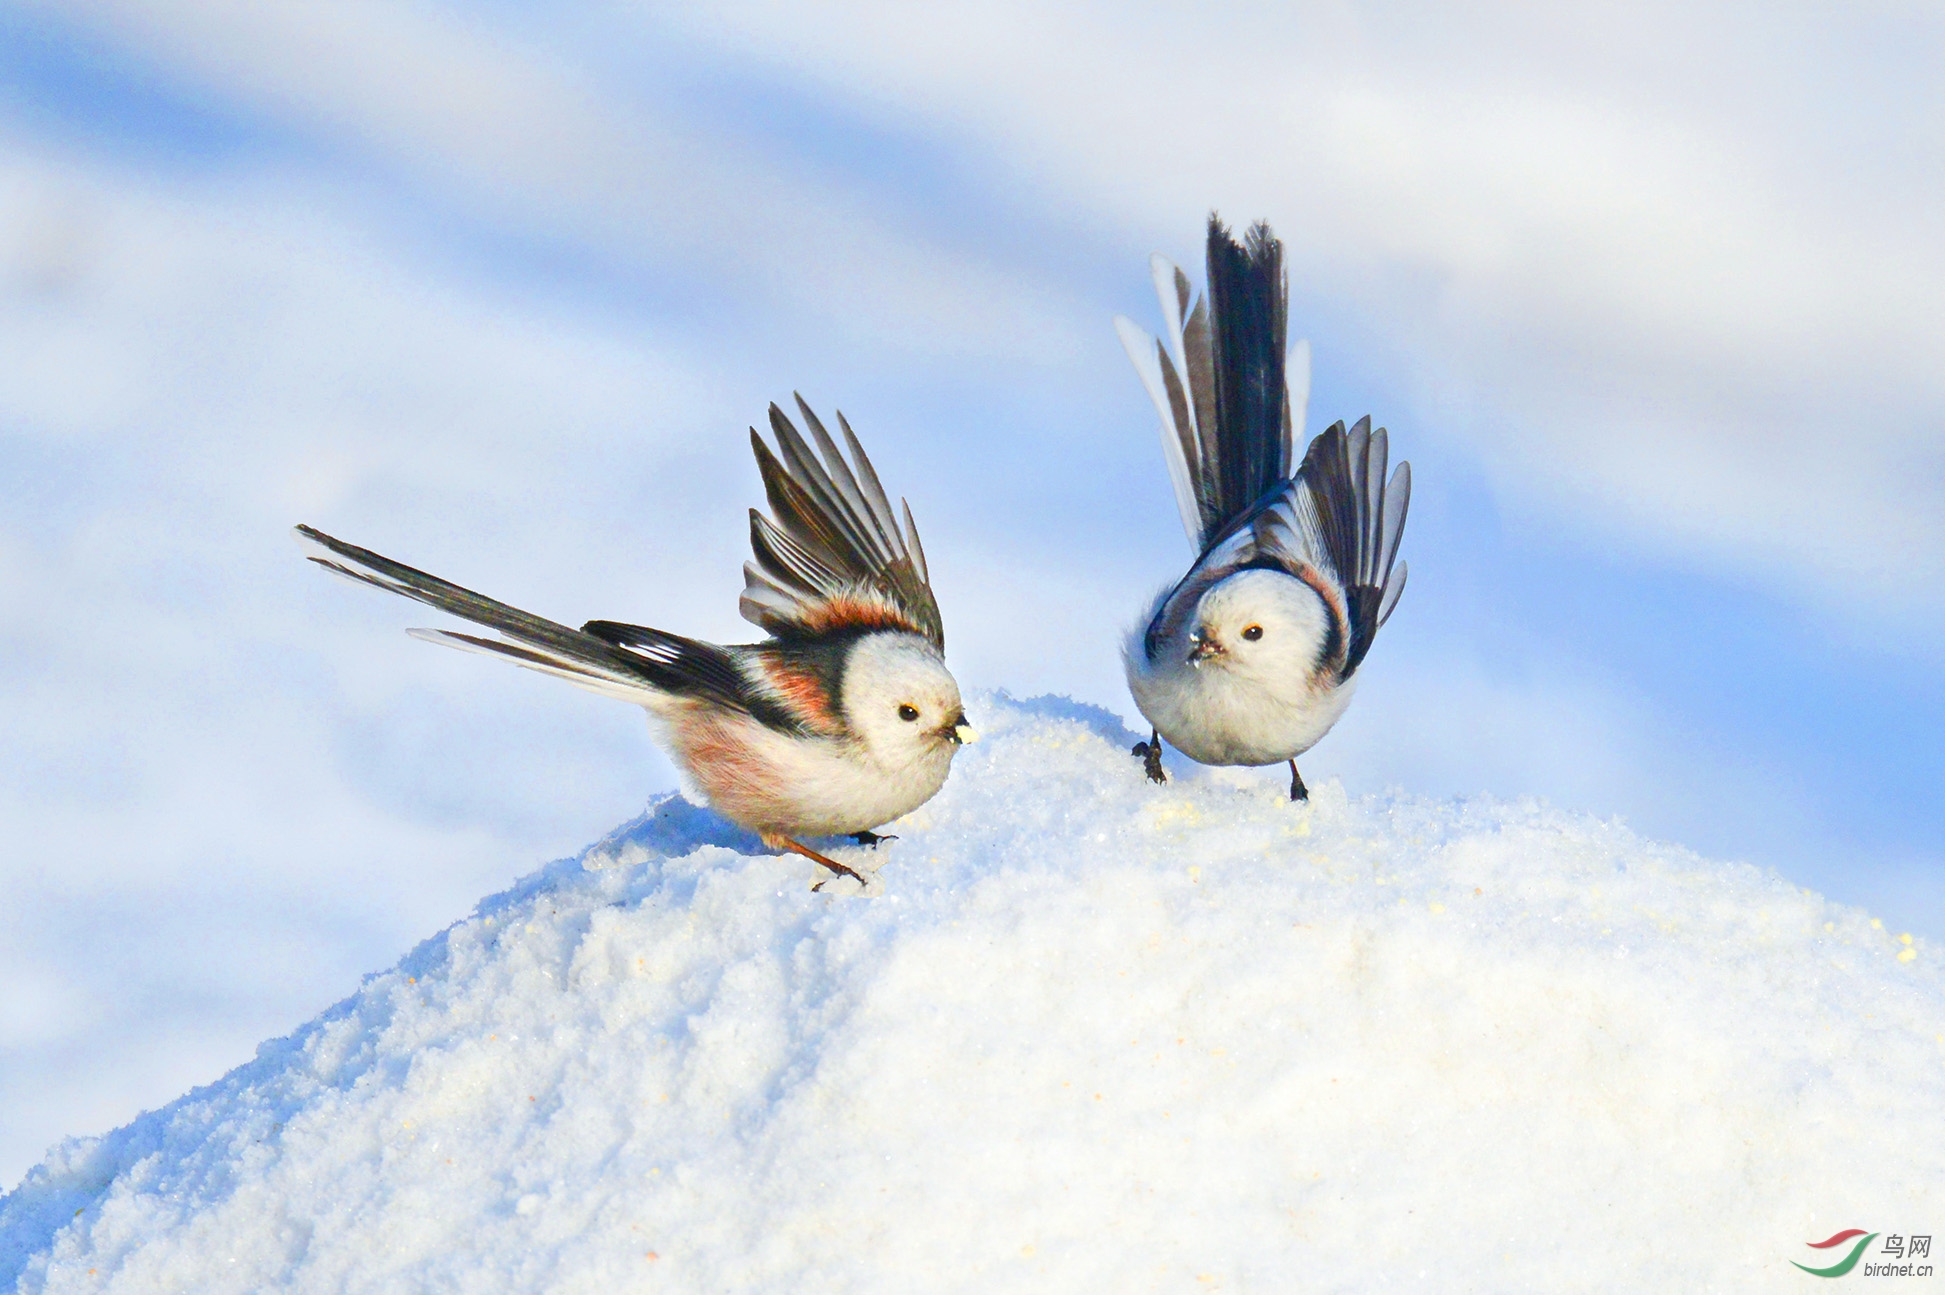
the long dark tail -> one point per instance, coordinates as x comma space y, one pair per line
1249, 305
532, 641
1229, 415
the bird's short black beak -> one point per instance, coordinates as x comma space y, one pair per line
1201, 649
957, 731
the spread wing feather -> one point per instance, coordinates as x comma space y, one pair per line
836, 555
649, 669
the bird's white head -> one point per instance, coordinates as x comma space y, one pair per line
1261, 624
901, 700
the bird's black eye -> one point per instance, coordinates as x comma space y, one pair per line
908, 713
1253, 632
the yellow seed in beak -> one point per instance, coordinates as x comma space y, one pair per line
965, 733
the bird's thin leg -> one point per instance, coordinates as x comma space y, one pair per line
870, 838
1150, 755
1297, 790
798, 847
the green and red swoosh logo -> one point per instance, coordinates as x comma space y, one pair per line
1849, 1261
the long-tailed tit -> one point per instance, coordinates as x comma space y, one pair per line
845, 718
1252, 656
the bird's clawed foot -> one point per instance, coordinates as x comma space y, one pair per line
1297, 790
1150, 755
871, 839
837, 869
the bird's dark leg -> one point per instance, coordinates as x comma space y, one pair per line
870, 838
1150, 755
798, 847
1297, 790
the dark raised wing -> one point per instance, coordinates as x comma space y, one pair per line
630, 662
1231, 400
1359, 518
835, 558
1340, 517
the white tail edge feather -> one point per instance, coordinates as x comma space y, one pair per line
1296, 382
1144, 353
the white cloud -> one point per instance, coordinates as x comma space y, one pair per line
1691, 290
500, 127
209, 366
1672, 274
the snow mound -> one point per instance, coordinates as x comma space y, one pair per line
1091, 1035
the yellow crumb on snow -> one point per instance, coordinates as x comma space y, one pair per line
1164, 812
1876, 924
1905, 938
1906, 955
1437, 907
1195, 874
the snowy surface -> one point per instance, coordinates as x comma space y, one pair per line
1087, 1035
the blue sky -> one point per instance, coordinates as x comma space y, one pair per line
1649, 298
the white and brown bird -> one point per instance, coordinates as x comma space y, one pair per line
844, 719
1252, 656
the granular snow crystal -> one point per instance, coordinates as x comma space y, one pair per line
1084, 1034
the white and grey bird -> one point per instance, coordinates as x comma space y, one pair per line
1251, 657
844, 719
